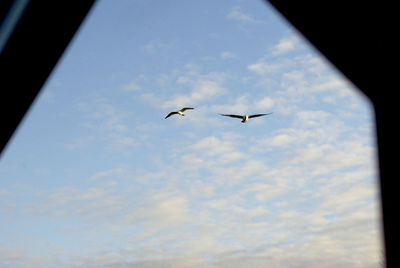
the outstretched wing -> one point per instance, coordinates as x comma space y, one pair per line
233, 115
257, 115
186, 108
171, 113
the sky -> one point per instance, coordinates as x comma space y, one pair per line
95, 176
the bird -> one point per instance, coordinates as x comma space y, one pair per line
180, 112
244, 118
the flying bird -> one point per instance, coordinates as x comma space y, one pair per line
244, 118
180, 112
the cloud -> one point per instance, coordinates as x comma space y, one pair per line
215, 188
4, 192
265, 67
132, 86
238, 15
227, 55
200, 189
220, 150
204, 87
313, 118
238, 105
188, 87
97, 203
301, 79
79, 143
106, 125
122, 142
285, 45
161, 210
155, 46
108, 173
264, 103
282, 140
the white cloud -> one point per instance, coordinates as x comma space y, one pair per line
107, 173
107, 126
155, 46
227, 55
151, 99
95, 203
302, 78
314, 118
285, 45
204, 87
205, 225
188, 87
265, 103
296, 76
121, 142
221, 150
4, 192
264, 67
239, 105
15, 257
161, 210
200, 189
132, 86
238, 15
282, 140
263, 191
79, 143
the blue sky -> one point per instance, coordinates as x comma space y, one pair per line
96, 177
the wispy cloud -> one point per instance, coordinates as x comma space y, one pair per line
204, 87
227, 55
161, 210
132, 86
107, 125
79, 143
265, 67
190, 88
108, 173
220, 150
215, 188
264, 104
238, 15
285, 45
154, 46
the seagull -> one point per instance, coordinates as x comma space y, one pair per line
244, 118
180, 112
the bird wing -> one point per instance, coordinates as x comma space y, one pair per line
171, 113
186, 108
257, 115
233, 115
